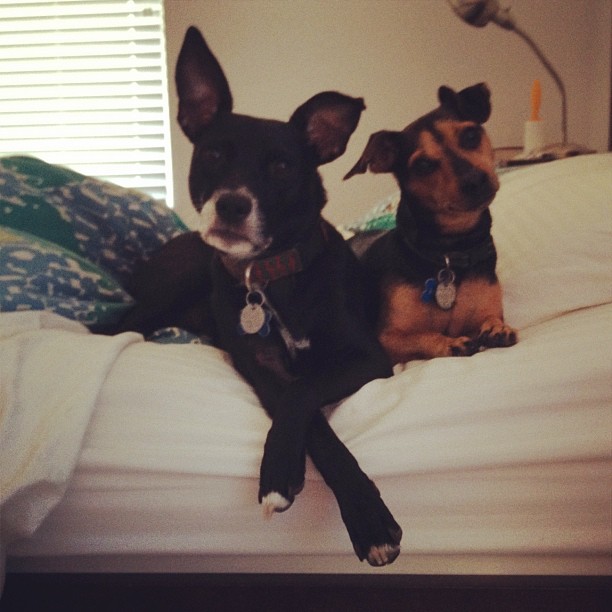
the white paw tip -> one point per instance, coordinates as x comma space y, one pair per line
383, 555
274, 502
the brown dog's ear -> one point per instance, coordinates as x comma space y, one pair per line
327, 121
472, 103
379, 155
202, 88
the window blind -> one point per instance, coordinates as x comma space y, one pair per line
83, 84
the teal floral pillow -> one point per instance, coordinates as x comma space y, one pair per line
108, 225
380, 217
38, 275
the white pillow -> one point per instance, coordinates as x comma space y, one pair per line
552, 225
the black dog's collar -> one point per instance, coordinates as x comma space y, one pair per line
258, 311
286, 263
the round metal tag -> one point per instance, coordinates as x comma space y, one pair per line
445, 295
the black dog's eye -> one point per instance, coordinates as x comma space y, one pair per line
424, 166
212, 157
471, 137
279, 168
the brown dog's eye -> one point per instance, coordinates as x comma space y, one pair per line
470, 137
424, 166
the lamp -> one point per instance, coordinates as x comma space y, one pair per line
479, 13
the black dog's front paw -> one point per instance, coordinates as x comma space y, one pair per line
281, 477
273, 501
373, 531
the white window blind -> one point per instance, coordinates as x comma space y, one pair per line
83, 84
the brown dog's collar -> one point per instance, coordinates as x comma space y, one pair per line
456, 259
471, 257
459, 252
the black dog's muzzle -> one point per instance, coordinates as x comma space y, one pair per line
233, 208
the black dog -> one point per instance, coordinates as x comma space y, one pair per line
275, 285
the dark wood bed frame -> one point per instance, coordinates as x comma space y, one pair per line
298, 592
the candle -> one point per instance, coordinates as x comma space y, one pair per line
536, 100
533, 138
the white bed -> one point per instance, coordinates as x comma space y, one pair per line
120, 455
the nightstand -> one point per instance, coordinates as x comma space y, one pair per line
509, 156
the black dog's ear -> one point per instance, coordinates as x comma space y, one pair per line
379, 155
472, 103
202, 88
327, 121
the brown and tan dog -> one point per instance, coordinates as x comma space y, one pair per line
435, 272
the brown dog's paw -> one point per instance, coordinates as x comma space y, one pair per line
462, 347
497, 334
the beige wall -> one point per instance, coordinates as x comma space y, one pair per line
396, 53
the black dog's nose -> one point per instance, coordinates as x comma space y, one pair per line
476, 185
233, 208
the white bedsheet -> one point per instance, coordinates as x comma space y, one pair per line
51, 370
506, 452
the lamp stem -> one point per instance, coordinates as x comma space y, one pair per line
554, 75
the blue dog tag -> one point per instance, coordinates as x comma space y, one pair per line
430, 290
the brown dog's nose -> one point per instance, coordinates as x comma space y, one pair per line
233, 208
476, 185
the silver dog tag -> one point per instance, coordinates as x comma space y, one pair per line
253, 317
446, 291
445, 295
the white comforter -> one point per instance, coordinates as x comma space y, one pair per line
163, 413
51, 372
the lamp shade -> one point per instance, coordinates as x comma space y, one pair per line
480, 12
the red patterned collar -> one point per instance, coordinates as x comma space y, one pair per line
291, 261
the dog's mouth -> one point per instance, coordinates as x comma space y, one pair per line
231, 222
469, 204
481, 203
233, 241
225, 234
459, 216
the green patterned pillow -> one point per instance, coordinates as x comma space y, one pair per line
38, 275
381, 217
110, 226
